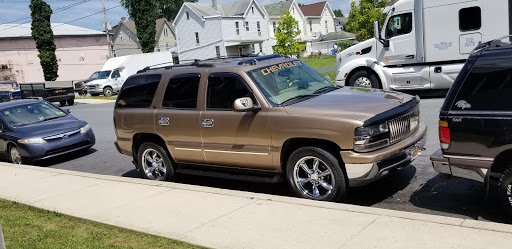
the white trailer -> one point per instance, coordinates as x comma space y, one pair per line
116, 70
423, 43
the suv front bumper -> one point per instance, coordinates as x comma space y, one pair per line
364, 168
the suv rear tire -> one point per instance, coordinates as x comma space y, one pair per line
365, 79
325, 181
154, 162
505, 191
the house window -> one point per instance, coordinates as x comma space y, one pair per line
240, 50
274, 25
129, 34
253, 50
470, 19
246, 26
167, 46
217, 51
158, 47
188, 17
237, 28
310, 26
258, 26
297, 26
166, 32
252, 9
114, 53
121, 35
197, 38
293, 10
326, 27
261, 47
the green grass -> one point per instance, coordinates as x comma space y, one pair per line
322, 61
95, 97
332, 74
28, 227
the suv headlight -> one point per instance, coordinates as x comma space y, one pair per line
86, 128
371, 137
36, 140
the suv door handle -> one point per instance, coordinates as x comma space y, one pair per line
207, 122
409, 56
163, 121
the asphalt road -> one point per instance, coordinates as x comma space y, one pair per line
415, 188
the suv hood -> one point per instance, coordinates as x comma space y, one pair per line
351, 103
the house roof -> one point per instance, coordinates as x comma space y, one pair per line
59, 29
314, 9
160, 22
277, 9
204, 9
338, 35
342, 19
235, 8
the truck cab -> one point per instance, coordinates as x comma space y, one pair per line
108, 82
422, 44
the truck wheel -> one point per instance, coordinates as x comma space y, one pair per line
314, 173
107, 91
364, 78
14, 155
154, 162
3, 99
70, 101
505, 191
62, 103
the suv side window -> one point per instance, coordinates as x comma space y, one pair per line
138, 91
487, 87
399, 25
182, 91
224, 89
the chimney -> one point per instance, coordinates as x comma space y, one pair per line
214, 4
123, 19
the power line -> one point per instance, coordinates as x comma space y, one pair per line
54, 12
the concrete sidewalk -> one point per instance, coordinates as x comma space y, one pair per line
93, 101
231, 219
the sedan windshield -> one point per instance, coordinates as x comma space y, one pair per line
286, 82
104, 74
31, 113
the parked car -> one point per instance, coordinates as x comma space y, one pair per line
35, 130
81, 86
475, 122
264, 119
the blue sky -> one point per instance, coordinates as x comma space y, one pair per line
11, 10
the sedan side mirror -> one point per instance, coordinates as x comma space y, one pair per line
244, 104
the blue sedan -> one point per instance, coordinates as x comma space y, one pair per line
35, 130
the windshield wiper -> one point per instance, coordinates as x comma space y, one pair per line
326, 87
299, 97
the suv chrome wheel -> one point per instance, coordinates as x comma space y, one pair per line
313, 177
154, 162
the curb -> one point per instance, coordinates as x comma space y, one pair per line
467, 223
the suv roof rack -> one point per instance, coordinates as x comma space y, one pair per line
253, 61
496, 43
193, 64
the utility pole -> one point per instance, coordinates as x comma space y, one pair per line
106, 29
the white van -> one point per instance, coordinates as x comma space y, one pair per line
116, 70
423, 44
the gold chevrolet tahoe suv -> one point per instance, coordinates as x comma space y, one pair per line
264, 119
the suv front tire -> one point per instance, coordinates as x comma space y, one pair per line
154, 162
314, 173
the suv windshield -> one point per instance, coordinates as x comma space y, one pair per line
283, 82
94, 76
104, 74
31, 113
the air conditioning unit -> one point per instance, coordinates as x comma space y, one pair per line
259, 33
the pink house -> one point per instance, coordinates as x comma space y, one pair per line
80, 52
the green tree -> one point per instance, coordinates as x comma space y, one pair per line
337, 13
170, 8
144, 13
362, 17
286, 31
43, 36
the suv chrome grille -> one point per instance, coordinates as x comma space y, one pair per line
403, 126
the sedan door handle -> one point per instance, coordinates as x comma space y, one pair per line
163, 121
207, 122
409, 56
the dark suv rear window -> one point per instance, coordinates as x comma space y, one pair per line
138, 91
488, 87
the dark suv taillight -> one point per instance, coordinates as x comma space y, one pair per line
444, 134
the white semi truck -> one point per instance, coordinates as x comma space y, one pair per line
423, 43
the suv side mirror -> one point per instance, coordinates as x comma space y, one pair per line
376, 34
244, 104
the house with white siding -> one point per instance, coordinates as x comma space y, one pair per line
319, 18
208, 31
274, 12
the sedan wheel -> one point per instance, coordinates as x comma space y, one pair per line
15, 155
154, 162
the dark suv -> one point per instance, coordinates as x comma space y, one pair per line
475, 122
